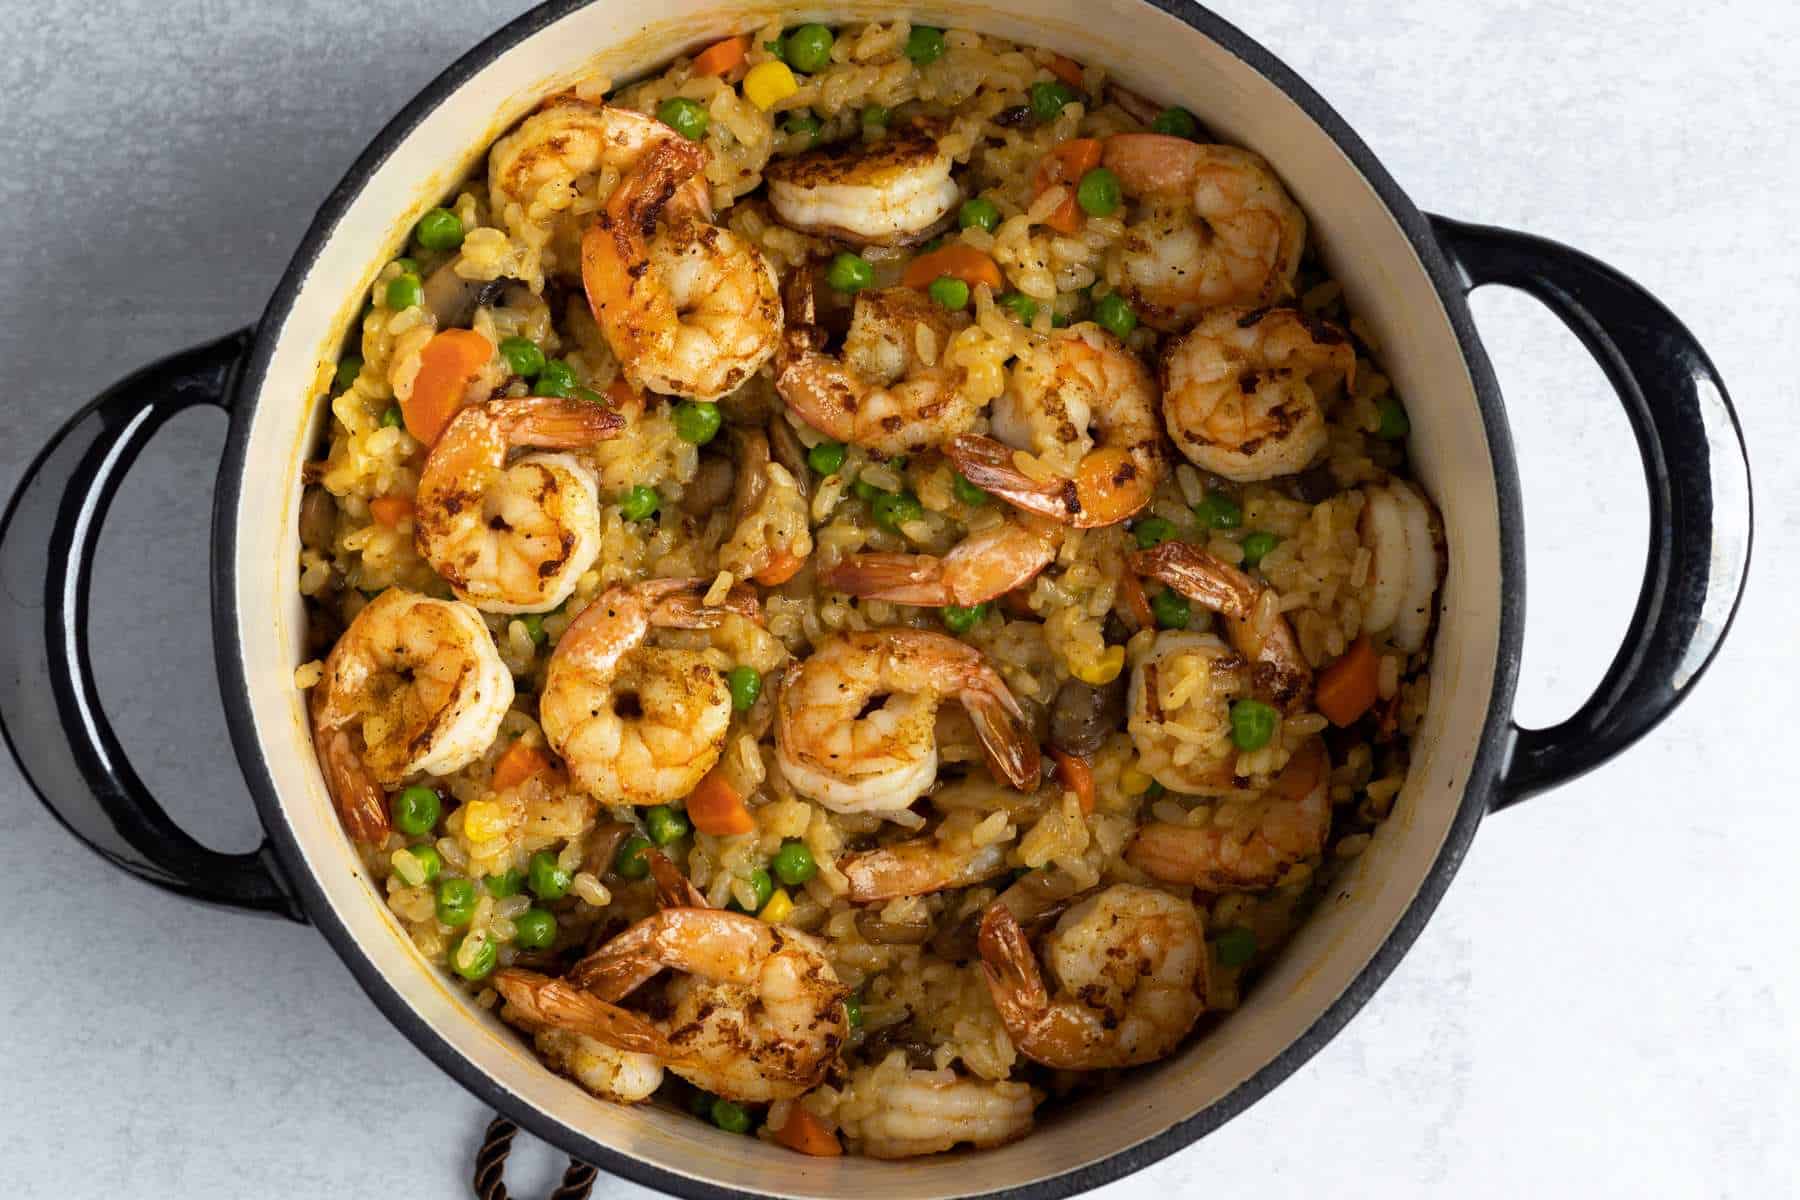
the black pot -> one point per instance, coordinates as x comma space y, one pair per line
1407, 275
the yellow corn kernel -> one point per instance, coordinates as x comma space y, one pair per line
1104, 669
1134, 782
769, 83
779, 908
483, 820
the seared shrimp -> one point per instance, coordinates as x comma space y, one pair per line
639, 724
980, 567
1216, 227
880, 393
690, 309
513, 538
927, 1112
890, 192
757, 1013
880, 760
414, 684
1279, 672
1085, 407
1250, 841
920, 866
572, 138
771, 534
614, 1054
1241, 390
1405, 540
1129, 967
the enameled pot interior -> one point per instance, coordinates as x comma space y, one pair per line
1150, 51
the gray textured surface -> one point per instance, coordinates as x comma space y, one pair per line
1606, 1004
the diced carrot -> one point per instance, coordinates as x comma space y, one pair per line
1064, 166
391, 510
1348, 687
449, 363
716, 808
958, 261
783, 566
720, 57
1076, 775
1137, 605
1067, 70
805, 1133
517, 763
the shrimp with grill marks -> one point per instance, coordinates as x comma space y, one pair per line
891, 192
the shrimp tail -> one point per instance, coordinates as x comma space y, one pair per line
1152, 163
681, 604
673, 889
1199, 576
562, 1005
552, 424
1010, 967
1011, 752
897, 578
360, 800
989, 465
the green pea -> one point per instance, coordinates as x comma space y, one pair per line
867, 492
1235, 946
925, 45
745, 685
348, 368
794, 863
547, 880
1099, 193
730, 1116
849, 273
1252, 724
950, 293
1175, 122
534, 627
415, 810
697, 422
764, 888
1153, 531
853, 1011
804, 124
408, 266
640, 503
967, 492
1112, 312
392, 417
874, 118
439, 229
959, 619
509, 882
1219, 511
1257, 545
979, 213
523, 355
431, 863
687, 117
665, 825
555, 378
809, 48
1394, 423
404, 291
630, 862
455, 901
894, 509
534, 929
1048, 98
1171, 609
826, 457
1154, 791
480, 961
1020, 305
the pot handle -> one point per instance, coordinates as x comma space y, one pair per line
1699, 481
49, 705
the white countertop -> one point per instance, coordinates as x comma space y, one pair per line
1608, 1002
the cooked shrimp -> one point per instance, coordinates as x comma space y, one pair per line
1129, 967
1085, 408
757, 1013
414, 684
880, 393
513, 538
919, 866
836, 749
690, 309
1251, 841
1279, 672
571, 138
639, 724
1241, 390
890, 192
1216, 228
771, 530
980, 567
614, 1054
927, 1112
1405, 540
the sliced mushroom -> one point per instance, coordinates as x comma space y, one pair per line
453, 300
1083, 715
911, 930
